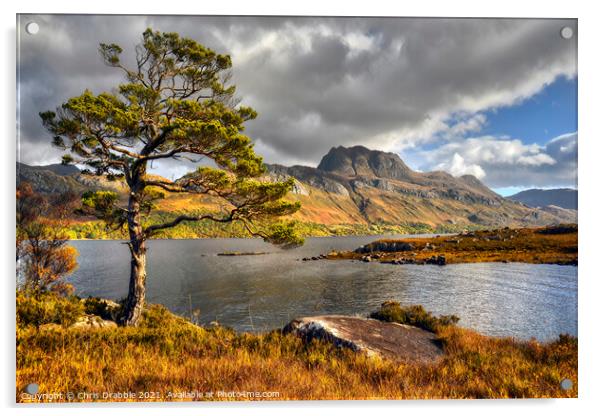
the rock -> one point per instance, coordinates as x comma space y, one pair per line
429, 246
92, 322
107, 302
50, 327
376, 338
103, 308
438, 260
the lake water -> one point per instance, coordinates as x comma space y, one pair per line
261, 292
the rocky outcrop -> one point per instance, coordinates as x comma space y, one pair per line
373, 337
360, 161
564, 215
86, 322
311, 176
279, 173
92, 322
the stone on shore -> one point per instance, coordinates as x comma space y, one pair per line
92, 322
370, 336
83, 322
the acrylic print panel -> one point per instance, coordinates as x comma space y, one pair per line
295, 208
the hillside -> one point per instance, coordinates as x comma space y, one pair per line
358, 185
50, 179
352, 191
564, 198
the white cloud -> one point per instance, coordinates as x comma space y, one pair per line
458, 167
505, 162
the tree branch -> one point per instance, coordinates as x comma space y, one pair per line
153, 228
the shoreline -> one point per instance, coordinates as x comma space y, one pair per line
417, 235
543, 245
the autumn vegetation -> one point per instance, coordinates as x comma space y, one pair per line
168, 354
552, 245
43, 256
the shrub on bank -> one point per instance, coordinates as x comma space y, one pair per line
38, 308
415, 315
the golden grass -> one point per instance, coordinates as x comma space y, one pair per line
168, 354
525, 245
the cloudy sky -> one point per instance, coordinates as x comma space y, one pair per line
495, 98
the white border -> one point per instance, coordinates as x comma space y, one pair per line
590, 154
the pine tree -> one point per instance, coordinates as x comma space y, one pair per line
175, 104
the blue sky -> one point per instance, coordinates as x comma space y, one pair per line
530, 142
537, 119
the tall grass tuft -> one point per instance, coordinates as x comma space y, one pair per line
415, 315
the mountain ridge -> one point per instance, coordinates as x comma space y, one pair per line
356, 186
384, 189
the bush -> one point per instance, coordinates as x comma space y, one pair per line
100, 307
158, 316
415, 315
38, 308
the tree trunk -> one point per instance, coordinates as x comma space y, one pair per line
137, 290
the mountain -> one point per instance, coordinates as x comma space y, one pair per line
564, 198
50, 179
359, 185
58, 178
352, 187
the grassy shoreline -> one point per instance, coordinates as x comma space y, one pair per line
544, 245
168, 356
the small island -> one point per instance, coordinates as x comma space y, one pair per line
546, 245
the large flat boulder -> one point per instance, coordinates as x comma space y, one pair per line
385, 339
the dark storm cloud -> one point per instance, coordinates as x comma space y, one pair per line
387, 83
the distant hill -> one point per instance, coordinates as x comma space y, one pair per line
56, 168
58, 178
564, 198
353, 186
50, 179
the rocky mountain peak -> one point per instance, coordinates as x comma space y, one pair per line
361, 161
